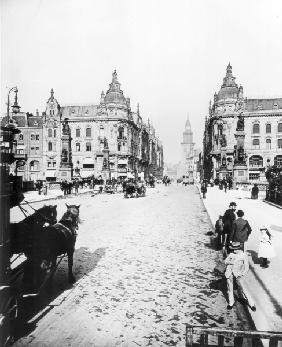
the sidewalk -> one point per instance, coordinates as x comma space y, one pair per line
264, 284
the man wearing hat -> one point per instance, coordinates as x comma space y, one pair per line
228, 219
240, 229
237, 267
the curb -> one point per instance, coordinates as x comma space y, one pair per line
272, 203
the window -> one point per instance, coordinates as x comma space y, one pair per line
37, 137
88, 132
34, 165
268, 128
280, 127
256, 143
49, 164
119, 147
32, 150
120, 133
21, 137
36, 150
77, 132
54, 164
278, 160
254, 176
49, 146
268, 144
256, 128
88, 147
256, 160
32, 137
55, 132
279, 143
77, 146
49, 132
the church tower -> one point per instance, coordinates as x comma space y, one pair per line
187, 144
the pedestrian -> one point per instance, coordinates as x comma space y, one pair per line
76, 186
237, 267
224, 183
219, 232
255, 191
228, 219
204, 188
266, 249
240, 229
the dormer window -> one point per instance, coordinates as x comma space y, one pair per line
275, 106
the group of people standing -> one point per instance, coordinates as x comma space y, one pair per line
232, 233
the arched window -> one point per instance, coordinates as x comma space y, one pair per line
88, 132
50, 132
256, 128
77, 146
77, 132
268, 143
32, 137
268, 128
280, 127
21, 137
49, 146
279, 143
256, 143
34, 165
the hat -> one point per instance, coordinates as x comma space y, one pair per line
235, 245
232, 203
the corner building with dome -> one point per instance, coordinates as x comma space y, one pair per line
261, 134
132, 145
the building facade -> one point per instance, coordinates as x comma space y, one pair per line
109, 126
236, 123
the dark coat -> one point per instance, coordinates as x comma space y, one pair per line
228, 219
240, 230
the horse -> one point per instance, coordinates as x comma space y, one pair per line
140, 191
22, 233
130, 189
51, 242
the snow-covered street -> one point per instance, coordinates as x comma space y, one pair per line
144, 267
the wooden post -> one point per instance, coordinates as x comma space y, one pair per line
189, 336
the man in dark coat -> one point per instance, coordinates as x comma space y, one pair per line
228, 219
240, 230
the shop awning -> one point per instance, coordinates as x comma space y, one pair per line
88, 161
50, 173
85, 174
122, 162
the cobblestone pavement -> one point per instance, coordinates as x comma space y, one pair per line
144, 267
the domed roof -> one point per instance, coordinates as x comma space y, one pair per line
229, 88
115, 94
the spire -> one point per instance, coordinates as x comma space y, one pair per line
16, 107
102, 99
229, 80
187, 125
52, 93
138, 109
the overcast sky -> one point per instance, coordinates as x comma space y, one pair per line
170, 56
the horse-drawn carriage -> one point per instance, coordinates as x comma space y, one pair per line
132, 189
35, 247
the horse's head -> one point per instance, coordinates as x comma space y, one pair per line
49, 213
73, 213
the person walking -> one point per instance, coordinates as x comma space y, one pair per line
265, 249
237, 267
240, 230
255, 191
228, 219
204, 188
219, 232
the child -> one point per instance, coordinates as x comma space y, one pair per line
266, 249
219, 232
